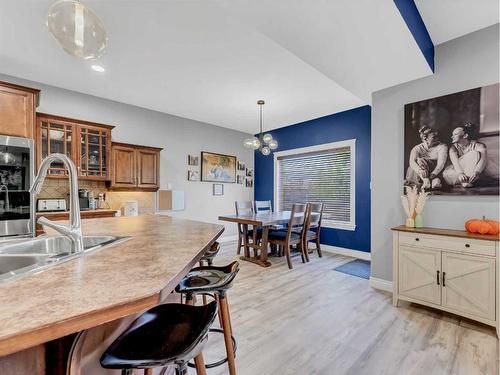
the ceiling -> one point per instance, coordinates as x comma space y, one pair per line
450, 19
211, 60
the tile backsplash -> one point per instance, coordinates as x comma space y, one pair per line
59, 188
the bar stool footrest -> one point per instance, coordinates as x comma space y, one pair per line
222, 361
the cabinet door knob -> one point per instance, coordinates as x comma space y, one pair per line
417, 239
444, 278
467, 245
437, 277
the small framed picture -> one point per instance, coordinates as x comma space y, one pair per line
240, 179
240, 166
193, 160
249, 172
193, 176
218, 189
249, 182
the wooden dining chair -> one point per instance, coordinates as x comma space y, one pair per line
245, 208
293, 234
263, 207
312, 228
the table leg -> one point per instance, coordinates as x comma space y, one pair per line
262, 261
263, 244
246, 247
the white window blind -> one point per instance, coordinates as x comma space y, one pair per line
322, 173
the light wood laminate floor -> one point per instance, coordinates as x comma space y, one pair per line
313, 320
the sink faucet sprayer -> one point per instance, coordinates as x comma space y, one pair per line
74, 231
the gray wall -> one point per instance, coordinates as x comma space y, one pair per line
178, 136
464, 63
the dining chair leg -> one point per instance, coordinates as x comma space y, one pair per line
288, 256
300, 249
306, 250
148, 371
318, 247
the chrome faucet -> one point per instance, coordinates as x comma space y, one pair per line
6, 189
74, 231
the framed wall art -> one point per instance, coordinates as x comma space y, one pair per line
452, 143
218, 167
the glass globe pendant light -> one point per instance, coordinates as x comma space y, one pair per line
263, 142
77, 29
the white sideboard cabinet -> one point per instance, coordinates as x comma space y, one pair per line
450, 270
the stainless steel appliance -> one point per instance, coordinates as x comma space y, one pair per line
44, 205
16, 176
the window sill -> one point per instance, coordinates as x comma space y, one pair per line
337, 225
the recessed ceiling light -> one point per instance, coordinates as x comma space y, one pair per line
98, 68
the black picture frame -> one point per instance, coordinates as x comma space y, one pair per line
218, 189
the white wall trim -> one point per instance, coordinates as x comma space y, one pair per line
346, 252
381, 284
351, 143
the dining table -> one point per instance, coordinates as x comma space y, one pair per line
264, 220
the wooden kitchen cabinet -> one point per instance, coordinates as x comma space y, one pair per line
124, 166
135, 167
17, 110
88, 144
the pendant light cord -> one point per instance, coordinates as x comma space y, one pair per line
260, 118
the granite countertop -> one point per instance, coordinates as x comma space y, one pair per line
122, 279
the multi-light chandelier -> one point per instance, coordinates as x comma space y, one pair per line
262, 142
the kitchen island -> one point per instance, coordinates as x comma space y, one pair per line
114, 282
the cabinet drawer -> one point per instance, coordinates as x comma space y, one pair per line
463, 245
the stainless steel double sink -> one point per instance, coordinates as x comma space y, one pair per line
19, 258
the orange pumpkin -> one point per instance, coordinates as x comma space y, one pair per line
482, 226
467, 224
495, 226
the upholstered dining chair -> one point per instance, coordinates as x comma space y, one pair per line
245, 208
312, 227
292, 235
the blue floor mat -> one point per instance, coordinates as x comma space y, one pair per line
356, 267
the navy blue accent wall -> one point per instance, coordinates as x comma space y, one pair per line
352, 124
411, 16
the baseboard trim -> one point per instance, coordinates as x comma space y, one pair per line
228, 239
347, 252
381, 284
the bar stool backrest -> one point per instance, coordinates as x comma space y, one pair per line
263, 207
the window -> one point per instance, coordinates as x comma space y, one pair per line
322, 173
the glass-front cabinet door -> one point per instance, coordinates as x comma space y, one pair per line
88, 145
94, 152
55, 137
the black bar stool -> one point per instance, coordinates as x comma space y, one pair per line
214, 280
166, 335
210, 254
